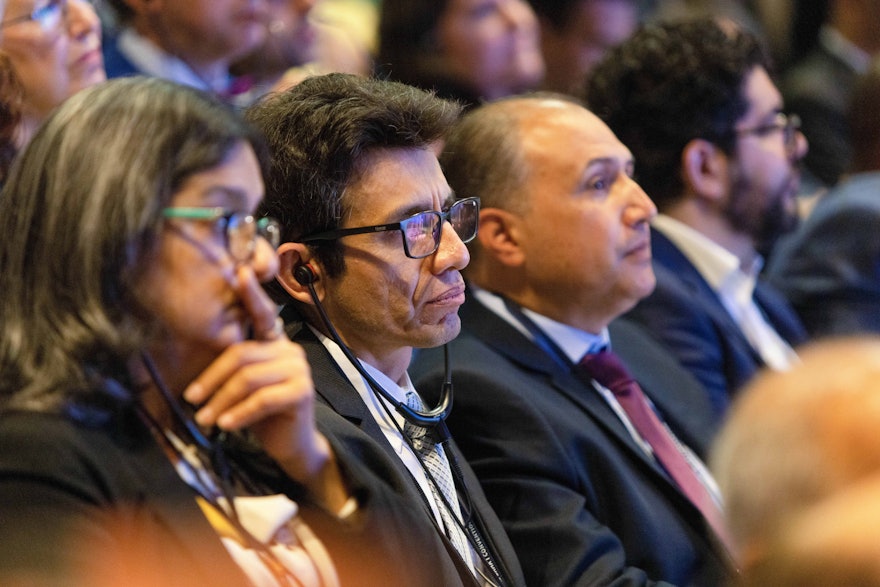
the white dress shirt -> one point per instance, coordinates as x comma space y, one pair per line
735, 287
391, 423
153, 61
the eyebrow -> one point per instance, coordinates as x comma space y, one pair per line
770, 116
605, 161
226, 197
406, 211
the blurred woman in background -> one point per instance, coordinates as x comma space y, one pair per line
49, 50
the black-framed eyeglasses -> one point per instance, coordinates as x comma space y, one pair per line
48, 14
788, 124
241, 230
421, 232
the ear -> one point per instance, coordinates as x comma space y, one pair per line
291, 256
500, 236
704, 170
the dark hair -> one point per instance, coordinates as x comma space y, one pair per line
557, 13
81, 216
122, 12
407, 40
319, 132
671, 83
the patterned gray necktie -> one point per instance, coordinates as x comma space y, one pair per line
435, 461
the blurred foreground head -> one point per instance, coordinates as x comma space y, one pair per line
794, 438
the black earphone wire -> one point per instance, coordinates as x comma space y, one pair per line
434, 418
435, 421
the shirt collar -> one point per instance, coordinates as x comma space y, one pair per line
398, 392
573, 342
718, 266
152, 60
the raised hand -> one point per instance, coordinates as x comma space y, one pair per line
265, 385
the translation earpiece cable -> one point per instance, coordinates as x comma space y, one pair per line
431, 419
434, 420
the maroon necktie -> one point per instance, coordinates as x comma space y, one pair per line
607, 369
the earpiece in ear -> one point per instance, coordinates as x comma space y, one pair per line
305, 275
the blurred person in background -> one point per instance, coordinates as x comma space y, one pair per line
49, 50
819, 86
796, 438
836, 542
299, 44
470, 50
192, 43
828, 267
575, 34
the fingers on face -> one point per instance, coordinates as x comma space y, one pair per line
258, 305
252, 381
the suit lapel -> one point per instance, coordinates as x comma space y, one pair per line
676, 394
506, 340
668, 258
779, 314
331, 384
334, 388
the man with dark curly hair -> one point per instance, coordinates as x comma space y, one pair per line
695, 103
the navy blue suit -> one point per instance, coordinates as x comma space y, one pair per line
582, 503
686, 315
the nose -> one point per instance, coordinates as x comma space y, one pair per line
452, 252
264, 261
81, 19
640, 209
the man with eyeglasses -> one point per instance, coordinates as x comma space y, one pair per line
695, 103
372, 250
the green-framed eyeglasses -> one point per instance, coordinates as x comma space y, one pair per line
241, 230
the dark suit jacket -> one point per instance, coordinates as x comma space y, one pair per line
582, 503
686, 315
74, 495
345, 418
829, 268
